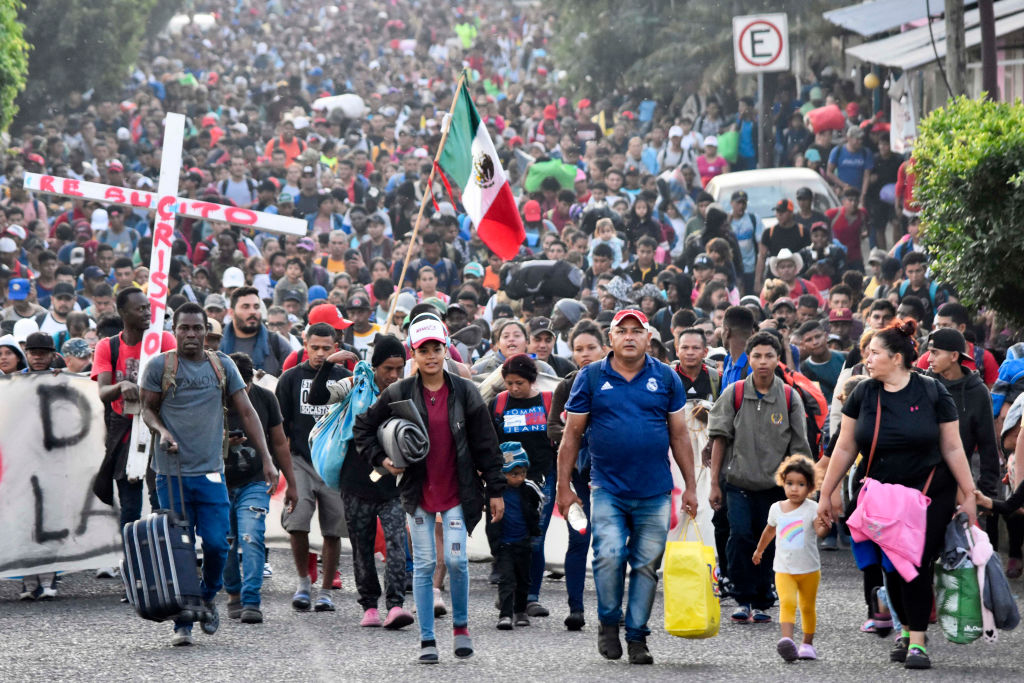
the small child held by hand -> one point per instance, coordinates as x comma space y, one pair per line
797, 565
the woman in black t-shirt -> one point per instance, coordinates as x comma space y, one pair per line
918, 436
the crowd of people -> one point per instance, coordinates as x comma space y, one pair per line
526, 403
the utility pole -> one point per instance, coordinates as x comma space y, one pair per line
956, 51
986, 17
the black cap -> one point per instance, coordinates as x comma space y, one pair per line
63, 289
539, 325
358, 300
40, 341
948, 339
804, 193
738, 194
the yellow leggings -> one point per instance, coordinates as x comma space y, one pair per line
798, 587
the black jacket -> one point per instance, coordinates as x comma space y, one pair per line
531, 504
476, 443
977, 429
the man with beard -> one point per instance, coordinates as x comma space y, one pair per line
247, 334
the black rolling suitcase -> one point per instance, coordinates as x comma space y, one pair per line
159, 565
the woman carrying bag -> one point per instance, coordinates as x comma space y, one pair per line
907, 425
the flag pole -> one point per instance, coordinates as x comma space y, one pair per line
423, 202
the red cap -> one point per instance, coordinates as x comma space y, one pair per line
115, 165
550, 112
628, 115
542, 71
840, 315
213, 78
583, 104
35, 159
208, 120
531, 210
630, 313
515, 140
328, 313
852, 108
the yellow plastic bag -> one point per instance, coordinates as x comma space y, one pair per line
690, 574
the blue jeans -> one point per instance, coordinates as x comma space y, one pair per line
208, 509
579, 545
537, 543
632, 530
424, 558
248, 525
748, 515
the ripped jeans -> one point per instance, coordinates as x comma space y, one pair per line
424, 558
249, 505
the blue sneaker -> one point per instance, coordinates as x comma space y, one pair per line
761, 617
300, 601
742, 614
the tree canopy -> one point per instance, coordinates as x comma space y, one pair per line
13, 60
969, 163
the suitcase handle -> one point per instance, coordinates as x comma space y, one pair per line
181, 494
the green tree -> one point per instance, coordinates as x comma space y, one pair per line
82, 45
13, 60
969, 163
609, 45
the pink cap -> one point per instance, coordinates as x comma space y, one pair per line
630, 313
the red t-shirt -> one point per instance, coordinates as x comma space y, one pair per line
848, 232
127, 362
441, 483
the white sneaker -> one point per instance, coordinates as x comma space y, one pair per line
48, 594
267, 571
107, 573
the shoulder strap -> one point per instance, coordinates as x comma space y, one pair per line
737, 395
903, 287
546, 395
218, 370
500, 402
115, 350
874, 439
223, 186
170, 371
716, 381
788, 390
933, 289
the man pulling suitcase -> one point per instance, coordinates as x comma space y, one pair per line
184, 397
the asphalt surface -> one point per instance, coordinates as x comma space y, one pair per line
86, 634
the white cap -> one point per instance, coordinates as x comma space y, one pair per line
427, 328
7, 245
675, 132
711, 141
77, 257
100, 220
240, 127
420, 153
23, 328
233, 277
301, 122
123, 134
17, 231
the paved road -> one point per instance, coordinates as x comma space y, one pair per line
86, 634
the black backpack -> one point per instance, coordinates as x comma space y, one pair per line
544, 278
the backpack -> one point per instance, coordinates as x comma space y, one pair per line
501, 402
771, 231
933, 289
737, 397
815, 405
170, 377
249, 182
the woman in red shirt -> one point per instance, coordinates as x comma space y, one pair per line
709, 164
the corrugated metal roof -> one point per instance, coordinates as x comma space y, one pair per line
913, 48
878, 16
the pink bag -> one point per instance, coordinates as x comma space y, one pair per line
892, 516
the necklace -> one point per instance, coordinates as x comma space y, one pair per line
432, 395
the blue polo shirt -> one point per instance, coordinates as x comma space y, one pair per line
629, 439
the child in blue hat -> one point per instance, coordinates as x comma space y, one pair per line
510, 537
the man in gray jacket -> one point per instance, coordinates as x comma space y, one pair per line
754, 425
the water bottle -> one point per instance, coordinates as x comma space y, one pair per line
577, 518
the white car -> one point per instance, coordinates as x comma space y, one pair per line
765, 187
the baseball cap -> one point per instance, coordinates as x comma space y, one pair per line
17, 289
115, 165
513, 455
307, 170
840, 315
93, 273
76, 348
215, 301
877, 255
17, 231
7, 245
711, 141
805, 192
811, 155
63, 289
358, 300
233, 277
214, 328
675, 132
583, 104
473, 269
427, 328
702, 261
23, 328
738, 195
784, 205
783, 301
77, 256
405, 303
328, 313
285, 198
539, 325
306, 243
531, 210
948, 339
41, 341
625, 313
821, 226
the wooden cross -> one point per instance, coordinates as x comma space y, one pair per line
167, 205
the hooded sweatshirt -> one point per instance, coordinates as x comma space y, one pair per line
977, 429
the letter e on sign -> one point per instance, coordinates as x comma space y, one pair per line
760, 43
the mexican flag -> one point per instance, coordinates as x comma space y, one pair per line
469, 159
